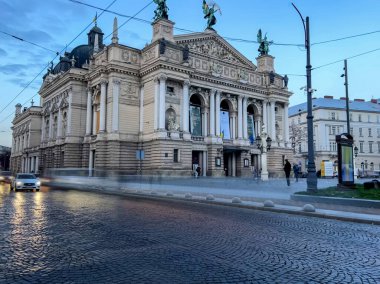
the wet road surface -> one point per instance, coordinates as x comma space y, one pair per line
64, 236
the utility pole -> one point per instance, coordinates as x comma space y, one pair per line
347, 101
311, 172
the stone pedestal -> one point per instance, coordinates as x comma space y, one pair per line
265, 63
163, 28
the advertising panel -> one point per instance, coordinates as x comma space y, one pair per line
251, 128
225, 125
347, 164
195, 121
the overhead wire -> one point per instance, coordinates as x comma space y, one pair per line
350, 57
30, 82
176, 28
27, 41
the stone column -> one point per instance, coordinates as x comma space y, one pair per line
204, 163
156, 102
94, 121
59, 124
286, 123
51, 125
43, 128
103, 98
240, 117
115, 105
233, 164
29, 134
245, 120
88, 112
273, 120
162, 110
90, 162
204, 123
217, 113
141, 128
185, 113
36, 170
212, 113
233, 126
265, 116
70, 113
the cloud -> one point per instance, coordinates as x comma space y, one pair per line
3, 52
22, 83
12, 69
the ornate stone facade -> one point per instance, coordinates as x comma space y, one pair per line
183, 101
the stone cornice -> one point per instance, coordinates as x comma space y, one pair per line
66, 78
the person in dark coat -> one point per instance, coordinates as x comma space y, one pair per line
287, 170
296, 171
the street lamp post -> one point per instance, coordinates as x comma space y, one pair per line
311, 172
264, 143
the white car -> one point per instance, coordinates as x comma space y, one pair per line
25, 182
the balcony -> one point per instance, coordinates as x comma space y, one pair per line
197, 138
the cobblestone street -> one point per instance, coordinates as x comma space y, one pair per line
59, 236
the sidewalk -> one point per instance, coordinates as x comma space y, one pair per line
247, 193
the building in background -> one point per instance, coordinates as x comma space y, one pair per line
26, 138
329, 120
5, 155
181, 102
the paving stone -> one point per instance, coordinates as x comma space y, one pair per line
68, 236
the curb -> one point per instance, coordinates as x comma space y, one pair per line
196, 199
337, 200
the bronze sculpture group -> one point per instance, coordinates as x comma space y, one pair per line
209, 10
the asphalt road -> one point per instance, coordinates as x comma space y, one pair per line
67, 236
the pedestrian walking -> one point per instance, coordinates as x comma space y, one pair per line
198, 170
287, 170
296, 171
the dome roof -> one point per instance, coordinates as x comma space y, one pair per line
81, 54
96, 29
63, 65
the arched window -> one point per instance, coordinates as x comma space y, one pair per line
47, 124
195, 114
55, 127
170, 120
64, 124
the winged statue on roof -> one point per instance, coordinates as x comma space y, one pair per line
263, 43
161, 11
209, 10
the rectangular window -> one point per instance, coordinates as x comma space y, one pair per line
378, 147
175, 155
378, 133
332, 146
350, 116
351, 131
361, 132
333, 116
333, 130
370, 146
369, 132
361, 146
369, 118
360, 118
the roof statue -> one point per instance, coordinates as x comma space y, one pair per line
209, 11
161, 11
264, 43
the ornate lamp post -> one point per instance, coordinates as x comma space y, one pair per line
264, 142
311, 172
356, 151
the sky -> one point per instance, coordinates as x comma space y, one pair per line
52, 25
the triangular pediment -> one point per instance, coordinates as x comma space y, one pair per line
210, 44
